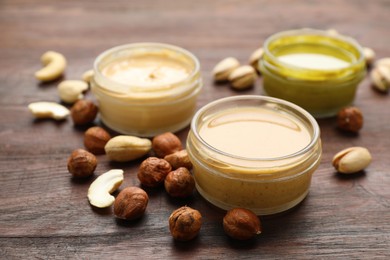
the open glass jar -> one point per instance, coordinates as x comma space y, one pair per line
145, 89
254, 152
313, 69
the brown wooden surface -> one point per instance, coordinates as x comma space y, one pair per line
44, 213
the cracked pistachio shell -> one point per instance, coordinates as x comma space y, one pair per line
352, 160
223, 69
380, 76
243, 77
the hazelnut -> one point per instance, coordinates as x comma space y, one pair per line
81, 163
179, 183
83, 112
185, 223
131, 203
179, 159
95, 138
165, 144
350, 119
153, 171
241, 224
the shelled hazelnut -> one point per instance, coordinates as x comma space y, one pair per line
165, 144
95, 138
153, 171
241, 224
179, 183
131, 203
81, 163
350, 119
185, 223
83, 112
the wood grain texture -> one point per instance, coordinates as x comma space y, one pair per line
44, 213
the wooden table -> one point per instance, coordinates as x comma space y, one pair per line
45, 213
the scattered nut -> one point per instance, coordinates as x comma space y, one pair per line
71, 90
153, 171
124, 148
255, 57
179, 159
369, 55
350, 119
95, 138
81, 163
48, 110
179, 183
99, 193
383, 62
243, 77
87, 76
83, 112
185, 223
380, 76
352, 160
54, 63
165, 144
223, 69
241, 224
131, 203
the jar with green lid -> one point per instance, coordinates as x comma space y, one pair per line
316, 70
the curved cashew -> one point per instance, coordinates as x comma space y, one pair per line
99, 193
48, 110
87, 76
72, 90
54, 63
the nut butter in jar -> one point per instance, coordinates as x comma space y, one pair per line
254, 152
316, 70
145, 89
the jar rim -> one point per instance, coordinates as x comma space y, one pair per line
144, 45
309, 31
314, 138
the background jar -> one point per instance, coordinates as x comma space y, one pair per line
263, 185
146, 111
322, 92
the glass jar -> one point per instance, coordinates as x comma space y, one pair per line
316, 70
232, 176
158, 106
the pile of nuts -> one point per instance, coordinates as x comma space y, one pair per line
240, 76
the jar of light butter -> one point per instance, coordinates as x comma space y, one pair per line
314, 69
145, 89
254, 152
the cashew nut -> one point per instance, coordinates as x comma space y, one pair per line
87, 76
54, 63
72, 90
124, 148
99, 193
48, 110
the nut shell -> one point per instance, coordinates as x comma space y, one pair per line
185, 223
95, 138
131, 203
179, 183
83, 112
153, 171
179, 159
243, 77
352, 160
81, 163
165, 144
241, 224
350, 119
223, 68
